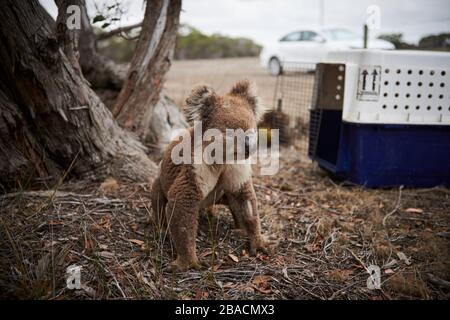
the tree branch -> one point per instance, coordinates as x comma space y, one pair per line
109, 34
141, 101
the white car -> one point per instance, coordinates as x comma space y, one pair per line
312, 45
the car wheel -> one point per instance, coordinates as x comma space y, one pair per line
275, 67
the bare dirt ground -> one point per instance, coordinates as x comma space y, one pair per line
326, 234
221, 74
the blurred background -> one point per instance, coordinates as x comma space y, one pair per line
220, 42
235, 28
245, 29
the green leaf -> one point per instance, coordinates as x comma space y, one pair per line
99, 18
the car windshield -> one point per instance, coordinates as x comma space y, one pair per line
340, 34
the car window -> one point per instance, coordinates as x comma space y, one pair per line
311, 36
294, 36
340, 34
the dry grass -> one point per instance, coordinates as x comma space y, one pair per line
325, 233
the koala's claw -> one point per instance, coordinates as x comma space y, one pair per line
258, 246
178, 266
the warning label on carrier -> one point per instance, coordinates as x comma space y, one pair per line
369, 83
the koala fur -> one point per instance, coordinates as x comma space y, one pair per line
182, 190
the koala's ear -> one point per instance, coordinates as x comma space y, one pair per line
245, 90
200, 103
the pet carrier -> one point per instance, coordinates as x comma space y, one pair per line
382, 118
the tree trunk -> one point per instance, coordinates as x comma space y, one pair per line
142, 91
101, 72
50, 119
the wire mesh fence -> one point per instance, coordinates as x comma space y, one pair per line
294, 91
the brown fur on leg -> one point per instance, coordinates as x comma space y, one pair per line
232, 202
243, 206
159, 202
182, 217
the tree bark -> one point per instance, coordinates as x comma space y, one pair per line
142, 91
101, 72
50, 119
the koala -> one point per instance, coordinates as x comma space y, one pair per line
182, 190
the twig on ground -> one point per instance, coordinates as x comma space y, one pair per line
397, 206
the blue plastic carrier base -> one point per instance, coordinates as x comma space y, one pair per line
380, 155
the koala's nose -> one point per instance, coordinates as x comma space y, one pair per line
247, 143
247, 146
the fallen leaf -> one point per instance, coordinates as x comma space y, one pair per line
389, 271
233, 257
262, 257
312, 247
340, 275
404, 258
414, 210
105, 254
55, 223
287, 215
347, 226
104, 223
137, 241
134, 226
265, 291
261, 283
391, 263
88, 244
200, 295
261, 280
206, 253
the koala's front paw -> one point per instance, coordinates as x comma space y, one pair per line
261, 245
258, 245
182, 266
